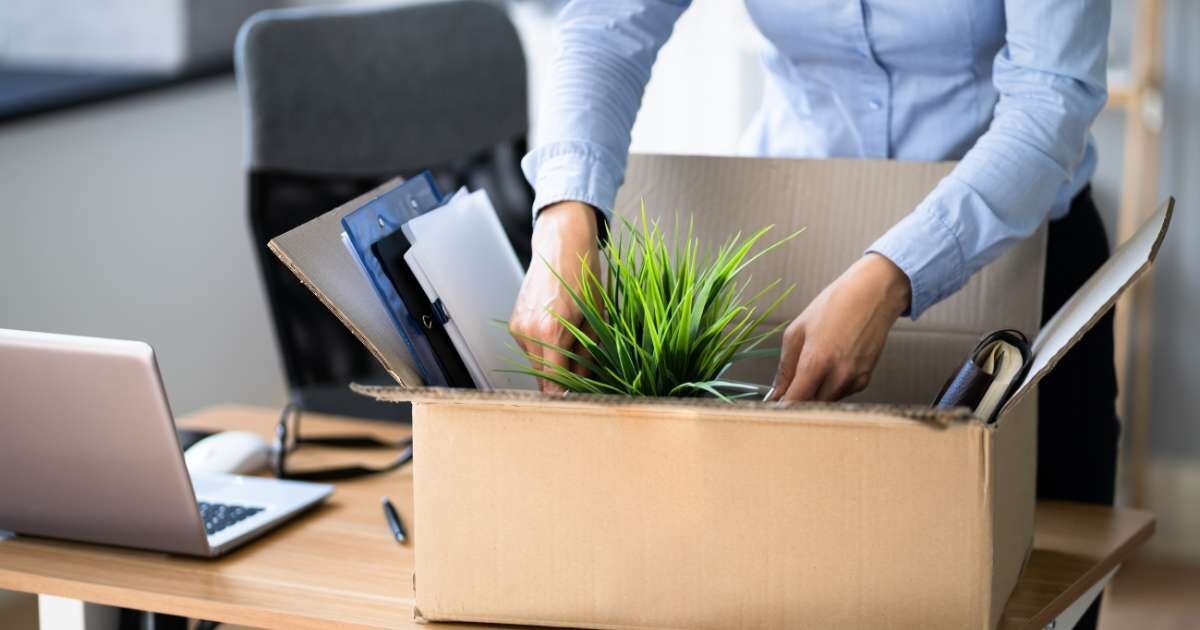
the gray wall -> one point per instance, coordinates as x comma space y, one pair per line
127, 219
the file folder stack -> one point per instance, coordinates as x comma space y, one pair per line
447, 277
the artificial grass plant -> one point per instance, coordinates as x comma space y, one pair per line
669, 317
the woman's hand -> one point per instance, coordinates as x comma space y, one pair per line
830, 350
565, 233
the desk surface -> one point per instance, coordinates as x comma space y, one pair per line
340, 565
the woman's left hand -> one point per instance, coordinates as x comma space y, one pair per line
830, 350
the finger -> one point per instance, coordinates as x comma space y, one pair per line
810, 374
834, 387
519, 328
554, 358
522, 345
793, 343
553, 333
524, 334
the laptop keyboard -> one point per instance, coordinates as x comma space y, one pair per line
218, 516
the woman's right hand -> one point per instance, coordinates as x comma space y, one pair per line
563, 236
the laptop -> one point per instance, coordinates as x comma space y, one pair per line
89, 452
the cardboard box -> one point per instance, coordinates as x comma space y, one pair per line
608, 512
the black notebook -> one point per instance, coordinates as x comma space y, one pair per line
390, 252
990, 376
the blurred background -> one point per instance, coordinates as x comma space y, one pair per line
123, 211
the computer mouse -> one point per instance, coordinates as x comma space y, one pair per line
230, 452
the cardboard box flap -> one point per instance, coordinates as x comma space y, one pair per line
315, 253
844, 204
1095, 297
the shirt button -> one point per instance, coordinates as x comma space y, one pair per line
874, 105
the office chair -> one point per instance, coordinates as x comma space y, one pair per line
337, 100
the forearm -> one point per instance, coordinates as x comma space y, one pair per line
1051, 81
595, 86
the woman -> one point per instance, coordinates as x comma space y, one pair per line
1008, 87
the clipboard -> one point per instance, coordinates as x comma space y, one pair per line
390, 252
461, 257
378, 219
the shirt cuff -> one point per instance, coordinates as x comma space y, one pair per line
923, 246
573, 171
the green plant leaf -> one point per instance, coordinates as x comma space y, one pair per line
669, 316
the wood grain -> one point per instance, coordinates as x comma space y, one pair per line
339, 566
1074, 546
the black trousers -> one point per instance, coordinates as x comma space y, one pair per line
1078, 427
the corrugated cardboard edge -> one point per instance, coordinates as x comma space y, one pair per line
346, 321
985, 580
1166, 209
738, 410
417, 616
982, 560
1011, 483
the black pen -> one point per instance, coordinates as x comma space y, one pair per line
394, 522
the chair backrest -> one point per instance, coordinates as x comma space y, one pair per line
338, 99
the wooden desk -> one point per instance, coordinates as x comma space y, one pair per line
340, 566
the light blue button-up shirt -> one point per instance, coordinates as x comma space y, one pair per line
1009, 87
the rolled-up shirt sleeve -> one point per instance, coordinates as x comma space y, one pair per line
594, 90
1050, 77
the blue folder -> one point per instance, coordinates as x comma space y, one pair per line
378, 219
